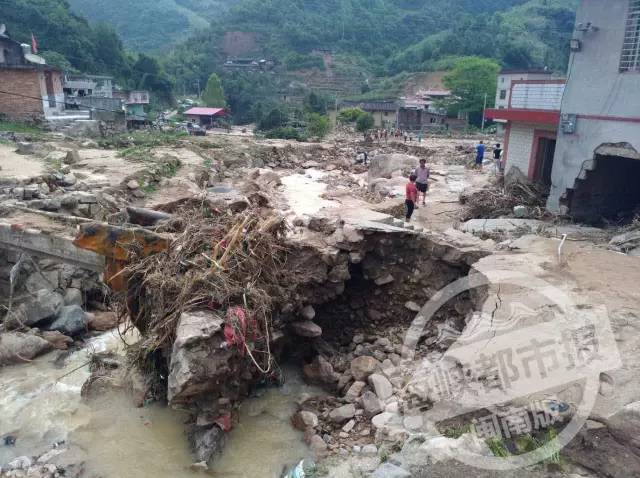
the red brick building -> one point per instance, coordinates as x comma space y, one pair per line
29, 89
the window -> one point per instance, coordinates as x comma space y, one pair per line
503, 94
630, 60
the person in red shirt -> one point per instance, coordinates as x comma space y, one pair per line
411, 196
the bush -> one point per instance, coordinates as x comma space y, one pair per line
365, 122
319, 125
286, 132
350, 115
276, 118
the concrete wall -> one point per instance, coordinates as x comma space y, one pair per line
520, 144
57, 106
607, 101
22, 82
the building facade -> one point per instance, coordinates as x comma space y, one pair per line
31, 89
530, 119
596, 171
503, 94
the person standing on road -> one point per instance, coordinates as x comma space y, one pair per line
480, 149
497, 156
411, 196
422, 174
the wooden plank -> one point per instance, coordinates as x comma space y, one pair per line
41, 244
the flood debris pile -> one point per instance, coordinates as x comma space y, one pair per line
205, 310
520, 199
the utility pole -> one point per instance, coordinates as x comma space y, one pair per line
483, 110
198, 86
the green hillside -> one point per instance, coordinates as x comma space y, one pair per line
152, 25
65, 38
388, 37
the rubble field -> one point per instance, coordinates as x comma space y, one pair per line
224, 261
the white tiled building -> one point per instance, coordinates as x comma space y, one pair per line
530, 117
503, 93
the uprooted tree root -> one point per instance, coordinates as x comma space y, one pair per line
495, 201
216, 261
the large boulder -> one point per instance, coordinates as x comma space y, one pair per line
306, 328
342, 414
72, 320
102, 321
16, 347
207, 443
372, 404
199, 358
45, 304
362, 367
385, 165
320, 372
304, 420
381, 385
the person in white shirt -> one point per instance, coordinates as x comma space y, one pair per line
422, 182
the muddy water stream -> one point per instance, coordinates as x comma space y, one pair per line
119, 440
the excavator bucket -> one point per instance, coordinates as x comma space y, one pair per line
115, 244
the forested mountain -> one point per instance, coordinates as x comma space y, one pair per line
387, 37
152, 25
65, 38
72, 43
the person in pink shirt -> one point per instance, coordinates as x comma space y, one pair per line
411, 196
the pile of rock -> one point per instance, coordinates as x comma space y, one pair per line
59, 461
368, 408
48, 303
61, 191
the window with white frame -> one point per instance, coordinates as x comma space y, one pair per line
630, 60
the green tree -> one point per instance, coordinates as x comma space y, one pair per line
350, 115
365, 122
471, 81
319, 125
275, 118
316, 103
213, 94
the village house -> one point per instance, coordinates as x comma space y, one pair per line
29, 88
581, 136
421, 114
76, 85
384, 112
134, 103
503, 93
596, 170
531, 118
204, 116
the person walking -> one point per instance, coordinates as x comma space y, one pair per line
480, 149
411, 196
422, 174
